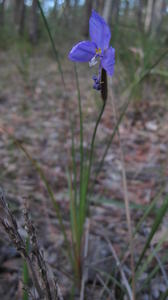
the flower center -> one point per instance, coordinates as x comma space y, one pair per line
93, 62
98, 51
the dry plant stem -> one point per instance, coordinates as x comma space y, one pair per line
10, 226
38, 255
126, 199
124, 278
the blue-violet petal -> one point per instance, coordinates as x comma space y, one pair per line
83, 52
99, 31
108, 61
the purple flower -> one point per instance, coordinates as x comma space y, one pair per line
97, 48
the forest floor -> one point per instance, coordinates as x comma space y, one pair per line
36, 108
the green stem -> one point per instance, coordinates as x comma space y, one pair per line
84, 200
74, 165
74, 230
52, 41
93, 140
26, 273
81, 132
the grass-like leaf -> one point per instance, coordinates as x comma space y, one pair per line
158, 220
151, 256
51, 41
26, 273
120, 204
164, 295
153, 273
149, 209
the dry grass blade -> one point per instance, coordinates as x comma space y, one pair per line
104, 286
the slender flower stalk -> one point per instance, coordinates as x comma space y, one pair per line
97, 50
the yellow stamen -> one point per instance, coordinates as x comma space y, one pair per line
98, 51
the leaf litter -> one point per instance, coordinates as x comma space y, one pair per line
37, 113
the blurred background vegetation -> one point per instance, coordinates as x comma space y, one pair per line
139, 30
